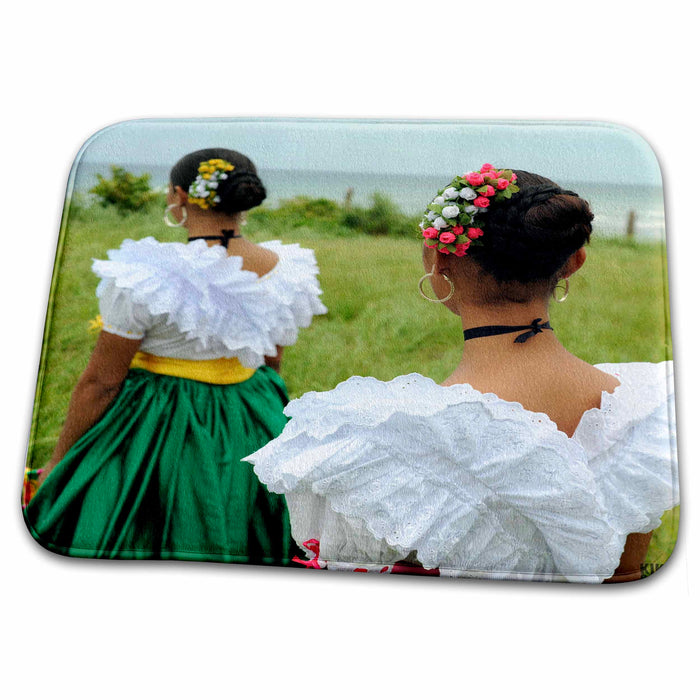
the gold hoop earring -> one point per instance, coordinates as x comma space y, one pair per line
425, 296
566, 291
172, 224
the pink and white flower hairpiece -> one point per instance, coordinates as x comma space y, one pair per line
453, 220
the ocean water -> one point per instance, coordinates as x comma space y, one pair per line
611, 203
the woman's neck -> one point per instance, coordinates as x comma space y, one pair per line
474, 316
208, 225
485, 355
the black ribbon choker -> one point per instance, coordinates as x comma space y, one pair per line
531, 329
226, 235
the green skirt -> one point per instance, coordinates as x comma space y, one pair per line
160, 476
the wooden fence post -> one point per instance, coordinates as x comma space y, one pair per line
348, 197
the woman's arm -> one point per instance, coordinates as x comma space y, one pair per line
275, 361
96, 389
630, 568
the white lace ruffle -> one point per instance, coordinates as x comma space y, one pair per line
211, 299
470, 483
294, 281
631, 445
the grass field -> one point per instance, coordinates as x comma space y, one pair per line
377, 323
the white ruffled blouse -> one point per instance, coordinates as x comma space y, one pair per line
194, 302
380, 472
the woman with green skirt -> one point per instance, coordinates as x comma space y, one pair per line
181, 385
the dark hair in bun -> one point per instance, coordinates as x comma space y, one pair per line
529, 237
242, 190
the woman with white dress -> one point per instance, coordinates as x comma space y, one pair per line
526, 462
181, 385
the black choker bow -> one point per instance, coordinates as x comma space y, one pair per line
531, 330
226, 235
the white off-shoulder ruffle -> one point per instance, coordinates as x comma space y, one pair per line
470, 483
207, 297
630, 443
294, 281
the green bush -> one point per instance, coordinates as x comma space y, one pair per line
383, 218
304, 207
300, 211
124, 191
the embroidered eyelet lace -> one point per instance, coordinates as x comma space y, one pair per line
472, 484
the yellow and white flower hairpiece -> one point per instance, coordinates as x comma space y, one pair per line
203, 190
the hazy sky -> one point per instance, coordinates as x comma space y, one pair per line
591, 151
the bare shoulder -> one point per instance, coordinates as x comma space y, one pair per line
255, 258
595, 378
563, 386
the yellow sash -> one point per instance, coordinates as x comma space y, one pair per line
225, 370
